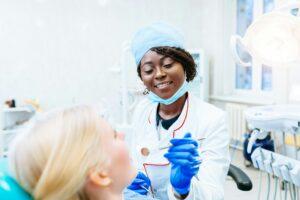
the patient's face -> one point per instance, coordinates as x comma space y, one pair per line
121, 169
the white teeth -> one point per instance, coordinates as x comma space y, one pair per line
161, 85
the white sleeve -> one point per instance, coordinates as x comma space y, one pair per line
137, 130
133, 137
215, 164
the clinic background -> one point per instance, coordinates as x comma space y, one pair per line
62, 52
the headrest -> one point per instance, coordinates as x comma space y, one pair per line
9, 188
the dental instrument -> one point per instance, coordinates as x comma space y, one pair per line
145, 151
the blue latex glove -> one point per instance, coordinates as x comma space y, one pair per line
184, 158
140, 184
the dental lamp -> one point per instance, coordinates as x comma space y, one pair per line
273, 39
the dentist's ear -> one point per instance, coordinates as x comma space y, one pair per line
100, 178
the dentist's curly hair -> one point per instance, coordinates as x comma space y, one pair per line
178, 54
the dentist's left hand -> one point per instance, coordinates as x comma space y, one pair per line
140, 184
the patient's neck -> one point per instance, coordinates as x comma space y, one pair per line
110, 197
105, 194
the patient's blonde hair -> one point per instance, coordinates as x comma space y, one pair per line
52, 159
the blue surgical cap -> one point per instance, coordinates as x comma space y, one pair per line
156, 35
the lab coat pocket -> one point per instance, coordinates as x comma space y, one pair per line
158, 169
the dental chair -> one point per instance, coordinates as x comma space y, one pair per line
10, 189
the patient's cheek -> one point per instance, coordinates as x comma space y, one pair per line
124, 155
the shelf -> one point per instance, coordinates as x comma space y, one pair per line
243, 100
17, 109
11, 131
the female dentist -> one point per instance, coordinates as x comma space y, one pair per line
165, 145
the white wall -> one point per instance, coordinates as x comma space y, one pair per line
60, 51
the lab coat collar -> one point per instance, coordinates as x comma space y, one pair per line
178, 124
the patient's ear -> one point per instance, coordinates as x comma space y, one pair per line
100, 178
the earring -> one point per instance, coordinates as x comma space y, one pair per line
146, 91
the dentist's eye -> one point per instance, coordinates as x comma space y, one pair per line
168, 65
148, 71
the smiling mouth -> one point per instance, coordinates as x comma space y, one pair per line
163, 85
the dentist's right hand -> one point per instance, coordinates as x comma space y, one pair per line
184, 159
140, 184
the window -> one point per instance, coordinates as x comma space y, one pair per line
244, 19
268, 5
256, 77
295, 11
200, 81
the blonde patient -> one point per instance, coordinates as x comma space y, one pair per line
71, 154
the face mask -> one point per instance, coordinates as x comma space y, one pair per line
181, 91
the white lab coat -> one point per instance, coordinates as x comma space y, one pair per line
202, 120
